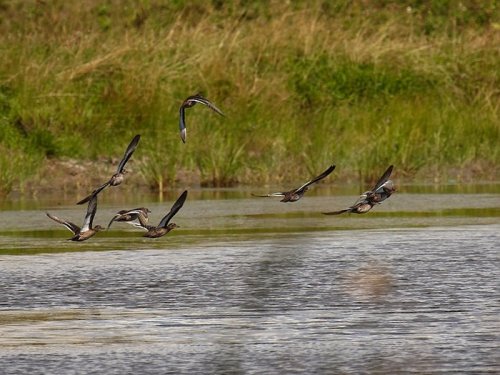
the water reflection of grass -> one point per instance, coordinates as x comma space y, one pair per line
247, 226
16, 317
450, 212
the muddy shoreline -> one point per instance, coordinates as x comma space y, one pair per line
71, 176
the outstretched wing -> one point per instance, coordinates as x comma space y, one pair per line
382, 180
128, 153
143, 220
75, 229
182, 123
117, 216
361, 200
139, 212
270, 195
140, 225
89, 217
385, 187
337, 212
200, 99
316, 179
189, 102
175, 208
93, 194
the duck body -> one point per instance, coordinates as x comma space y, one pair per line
140, 214
156, 232
87, 230
295, 194
83, 236
118, 177
165, 226
189, 102
382, 190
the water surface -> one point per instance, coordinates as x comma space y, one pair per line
256, 286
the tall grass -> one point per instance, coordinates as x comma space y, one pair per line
302, 86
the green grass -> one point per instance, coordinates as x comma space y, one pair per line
302, 86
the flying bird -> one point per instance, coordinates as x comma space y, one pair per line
188, 103
117, 178
382, 190
295, 194
140, 214
86, 231
165, 226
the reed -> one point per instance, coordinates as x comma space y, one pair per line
302, 86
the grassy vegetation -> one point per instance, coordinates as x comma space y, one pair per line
361, 84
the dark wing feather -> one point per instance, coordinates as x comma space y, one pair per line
316, 179
189, 103
200, 99
113, 219
382, 180
175, 208
140, 212
337, 212
136, 211
128, 153
361, 200
75, 229
93, 194
89, 217
182, 123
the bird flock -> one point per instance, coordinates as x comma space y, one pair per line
138, 217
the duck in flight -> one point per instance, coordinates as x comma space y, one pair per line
86, 231
165, 226
117, 178
188, 103
382, 190
140, 214
295, 194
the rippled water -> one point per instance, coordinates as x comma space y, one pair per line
257, 287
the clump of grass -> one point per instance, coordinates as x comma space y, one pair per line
159, 161
220, 162
16, 165
328, 80
303, 86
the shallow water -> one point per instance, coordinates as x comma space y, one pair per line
255, 286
